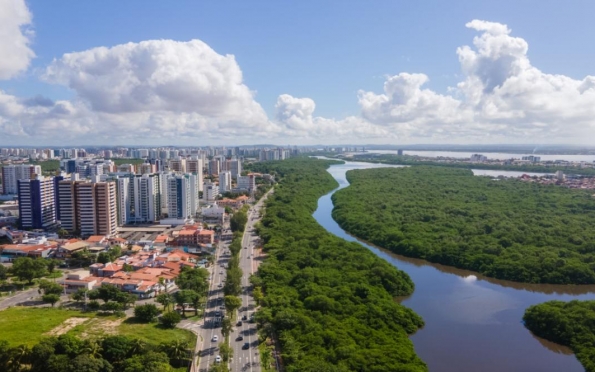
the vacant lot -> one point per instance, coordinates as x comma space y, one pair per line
23, 325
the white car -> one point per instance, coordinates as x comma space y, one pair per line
218, 359
215, 338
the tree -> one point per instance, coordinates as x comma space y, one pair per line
257, 294
194, 279
226, 351
48, 287
226, 327
115, 348
150, 361
92, 348
146, 313
84, 363
170, 319
165, 299
113, 307
3, 272
232, 303
62, 233
104, 257
185, 297
176, 350
105, 293
128, 268
80, 295
52, 264
27, 268
51, 298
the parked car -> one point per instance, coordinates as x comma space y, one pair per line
246, 346
218, 359
215, 338
239, 324
244, 317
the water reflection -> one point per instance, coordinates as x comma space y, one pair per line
473, 323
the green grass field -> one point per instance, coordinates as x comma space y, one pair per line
23, 325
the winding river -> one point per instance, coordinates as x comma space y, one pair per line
473, 323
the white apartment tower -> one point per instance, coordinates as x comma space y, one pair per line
224, 181
11, 174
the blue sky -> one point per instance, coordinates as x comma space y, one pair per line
328, 52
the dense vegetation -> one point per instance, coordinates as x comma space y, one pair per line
413, 160
67, 353
48, 166
330, 303
567, 323
506, 229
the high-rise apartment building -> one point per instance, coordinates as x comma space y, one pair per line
210, 191
68, 203
179, 195
139, 199
224, 182
235, 167
37, 203
177, 165
11, 174
247, 183
97, 208
214, 167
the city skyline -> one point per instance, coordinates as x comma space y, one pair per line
468, 78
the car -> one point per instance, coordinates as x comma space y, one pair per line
217, 313
221, 307
215, 338
246, 346
221, 272
239, 324
240, 338
244, 317
218, 359
220, 285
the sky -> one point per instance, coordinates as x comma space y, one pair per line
144, 72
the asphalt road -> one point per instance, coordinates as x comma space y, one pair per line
244, 359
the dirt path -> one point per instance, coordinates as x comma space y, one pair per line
66, 326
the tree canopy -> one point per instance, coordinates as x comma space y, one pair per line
567, 323
329, 302
503, 228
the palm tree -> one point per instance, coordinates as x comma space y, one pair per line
18, 357
176, 350
161, 284
137, 346
93, 349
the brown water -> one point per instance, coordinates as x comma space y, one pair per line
473, 323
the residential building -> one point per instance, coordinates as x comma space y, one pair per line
97, 208
67, 205
179, 197
37, 203
139, 199
210, 191
247, 183
214, 167
11, 174
224, 182
235, 167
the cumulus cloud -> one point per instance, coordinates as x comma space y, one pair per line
152, 89
165, 89
15, 37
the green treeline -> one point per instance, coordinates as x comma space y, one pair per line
412, 160
330, 303
567, 323
506, 229
67, 353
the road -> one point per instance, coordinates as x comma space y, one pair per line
243, 360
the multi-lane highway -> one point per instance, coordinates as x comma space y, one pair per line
244, 338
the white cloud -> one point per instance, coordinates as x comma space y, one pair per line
15, 38
162, 90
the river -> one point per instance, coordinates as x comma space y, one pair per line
473, 323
